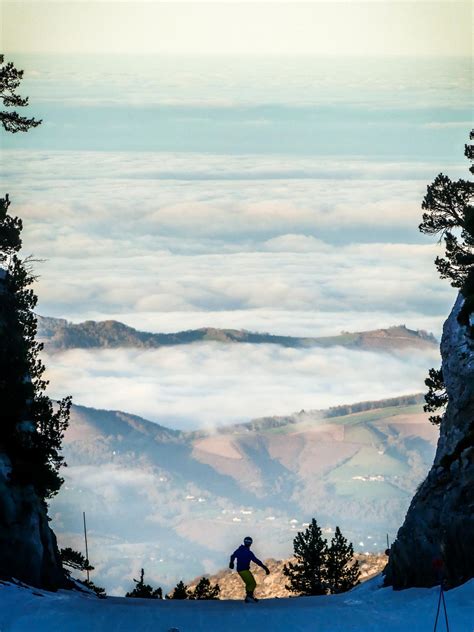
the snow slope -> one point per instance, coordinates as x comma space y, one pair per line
367, 608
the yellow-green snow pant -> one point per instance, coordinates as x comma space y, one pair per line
249, 581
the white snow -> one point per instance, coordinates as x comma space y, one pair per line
367, 608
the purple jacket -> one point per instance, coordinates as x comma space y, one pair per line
244, 556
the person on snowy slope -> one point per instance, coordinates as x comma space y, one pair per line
244, 556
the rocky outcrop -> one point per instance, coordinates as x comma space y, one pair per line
274, 585
28, 549
439, 526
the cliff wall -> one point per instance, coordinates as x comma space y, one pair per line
439, 524
28, 548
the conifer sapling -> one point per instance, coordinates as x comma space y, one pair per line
180, 592
144, 591
204, 590
342, 572
308, 576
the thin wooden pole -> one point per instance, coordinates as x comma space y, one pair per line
85, 538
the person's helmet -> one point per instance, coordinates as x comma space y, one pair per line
248, 541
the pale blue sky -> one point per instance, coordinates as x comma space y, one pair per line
245, 28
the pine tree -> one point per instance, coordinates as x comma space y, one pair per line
204, 590
436, 397
449, 212
99, 591
32, 427
342, 571
10, 79
308, 575
144, 591
180, 592
448, 208
75, 560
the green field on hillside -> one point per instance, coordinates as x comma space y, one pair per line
352, 419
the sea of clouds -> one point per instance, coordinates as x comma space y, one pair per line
118, 236
241, 242
210, 384
277, 195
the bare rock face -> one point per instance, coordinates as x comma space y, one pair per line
439, 524
28, 549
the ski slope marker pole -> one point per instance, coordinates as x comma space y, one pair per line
438, 566
441, 599
85, 538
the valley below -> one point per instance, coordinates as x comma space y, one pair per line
178, 503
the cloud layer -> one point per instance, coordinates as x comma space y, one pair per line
279, 196
234, 235
209, 384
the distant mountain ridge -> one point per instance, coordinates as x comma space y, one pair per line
58, 334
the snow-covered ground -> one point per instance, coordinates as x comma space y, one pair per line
368, 608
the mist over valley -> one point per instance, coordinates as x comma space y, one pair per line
215, 377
